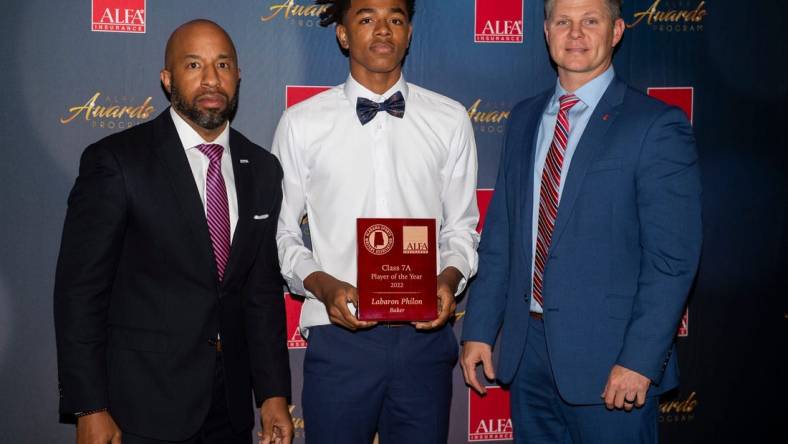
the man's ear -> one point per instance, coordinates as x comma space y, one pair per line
342, 37
166, 80
618, 31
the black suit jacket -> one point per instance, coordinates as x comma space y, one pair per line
136, 294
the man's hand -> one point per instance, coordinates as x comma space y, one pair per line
97, 428
335, 295
472, 354
276, 421
625, 389
448, 281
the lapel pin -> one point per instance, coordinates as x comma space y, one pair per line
244, 160
605, 117
260, 216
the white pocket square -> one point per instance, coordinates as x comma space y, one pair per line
244, 161
260, 216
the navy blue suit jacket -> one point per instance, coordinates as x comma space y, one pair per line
624, 252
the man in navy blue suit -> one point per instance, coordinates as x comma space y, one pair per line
590, 247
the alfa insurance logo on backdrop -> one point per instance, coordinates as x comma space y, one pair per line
680, 96
489, 417
684, 98
303, 13
483, 198
671, 16
498, 21
298, 93
118, 16
293, 310
110, 112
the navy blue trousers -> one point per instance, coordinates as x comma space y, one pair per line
395, 381
540, 415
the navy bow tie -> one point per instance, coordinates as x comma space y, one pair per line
367, 109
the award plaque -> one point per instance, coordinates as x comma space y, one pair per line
397, 270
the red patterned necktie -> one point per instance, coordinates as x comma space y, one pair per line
217, 211
548, 193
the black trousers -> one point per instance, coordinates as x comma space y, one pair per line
216, 429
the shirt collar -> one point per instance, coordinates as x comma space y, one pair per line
190, 138
590, 93
354, 90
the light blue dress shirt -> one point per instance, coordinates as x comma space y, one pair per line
589, 95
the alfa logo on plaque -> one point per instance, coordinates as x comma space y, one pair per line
397, 269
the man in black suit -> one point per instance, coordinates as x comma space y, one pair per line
168, 298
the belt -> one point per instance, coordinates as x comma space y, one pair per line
216, 343
537, 316
393, 324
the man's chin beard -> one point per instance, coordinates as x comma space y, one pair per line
208, 119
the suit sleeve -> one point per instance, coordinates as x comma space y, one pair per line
89, 252
669, 212
487, 294
264, 312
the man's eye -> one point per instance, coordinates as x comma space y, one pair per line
193, 65
592, 21
365, 20
397, 21
223, 65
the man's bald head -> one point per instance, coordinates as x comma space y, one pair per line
188, 31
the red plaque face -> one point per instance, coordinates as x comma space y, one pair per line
397, 269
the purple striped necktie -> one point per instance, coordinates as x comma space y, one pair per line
548, 193
217, 211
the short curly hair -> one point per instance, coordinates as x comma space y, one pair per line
338, 8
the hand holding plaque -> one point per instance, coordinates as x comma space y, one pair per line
448, 280
397, 269
337, 296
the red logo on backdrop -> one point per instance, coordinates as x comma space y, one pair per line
119, 16
684, 326
293, 309
298, 93
489, 417
499, 21
682, 96
483, 196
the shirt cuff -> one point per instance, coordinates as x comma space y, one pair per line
462, 267
302, 271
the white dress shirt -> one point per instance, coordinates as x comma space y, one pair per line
336, 170
199, 163
589, 94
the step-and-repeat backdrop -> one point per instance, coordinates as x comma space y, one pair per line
79, 70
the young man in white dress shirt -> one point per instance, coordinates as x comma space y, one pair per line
414, 157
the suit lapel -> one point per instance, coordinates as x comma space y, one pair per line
590, 143
244, 190
172, 155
